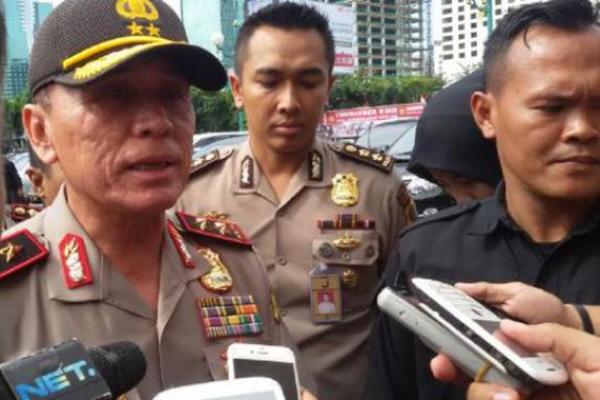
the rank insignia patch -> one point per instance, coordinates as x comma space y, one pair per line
247, 173
345, 189
209, 159
213, 227
19, 250
182, 250
217, 279
232, 316
75, 263
315, 166
368, 156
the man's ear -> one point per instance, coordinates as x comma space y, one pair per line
481, 107
37, 128
236, 90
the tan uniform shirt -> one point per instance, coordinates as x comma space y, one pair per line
290, 242
38, 309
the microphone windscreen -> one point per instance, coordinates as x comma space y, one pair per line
121, 364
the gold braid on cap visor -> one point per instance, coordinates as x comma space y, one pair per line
101, 64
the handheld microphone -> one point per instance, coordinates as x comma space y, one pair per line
68, 372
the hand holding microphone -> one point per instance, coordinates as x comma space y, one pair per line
68, 371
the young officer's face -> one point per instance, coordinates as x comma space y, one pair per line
125, 141
283, 88
545, 114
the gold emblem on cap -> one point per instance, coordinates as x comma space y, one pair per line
10, 251
132, 9
218, 278
345, 189
346, 241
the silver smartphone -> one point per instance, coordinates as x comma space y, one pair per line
479, 326
406, 309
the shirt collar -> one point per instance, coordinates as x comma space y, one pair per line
494, 214
108, 285
316, 170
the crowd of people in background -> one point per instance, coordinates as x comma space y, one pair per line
286, 239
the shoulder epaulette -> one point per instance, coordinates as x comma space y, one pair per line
19, 250
21, 212
213, 225
368, 156
209, 158
443, 215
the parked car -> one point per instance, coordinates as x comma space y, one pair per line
206, 142
397, 138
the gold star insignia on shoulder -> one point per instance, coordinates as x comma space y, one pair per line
135, 29
153, 30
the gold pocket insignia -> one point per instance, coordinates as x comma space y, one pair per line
345, 189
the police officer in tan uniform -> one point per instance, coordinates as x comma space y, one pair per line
110, 81
323, 216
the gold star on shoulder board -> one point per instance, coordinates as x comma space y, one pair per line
153, 30
135, 29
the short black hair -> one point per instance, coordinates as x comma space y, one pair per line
569, 15
286, 15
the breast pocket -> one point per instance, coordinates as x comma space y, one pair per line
353, 256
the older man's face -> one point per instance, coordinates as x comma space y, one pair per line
124, 142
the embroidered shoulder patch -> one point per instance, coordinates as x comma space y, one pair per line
379, 160
209, 158
20, 250
213, 225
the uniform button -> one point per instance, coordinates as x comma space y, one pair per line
283, 312
282, 260
280, 213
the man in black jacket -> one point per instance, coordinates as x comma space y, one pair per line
543, 225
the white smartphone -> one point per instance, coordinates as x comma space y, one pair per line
246, 360
238, 389
406, 309
460, 313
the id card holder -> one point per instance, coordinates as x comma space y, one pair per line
325, 295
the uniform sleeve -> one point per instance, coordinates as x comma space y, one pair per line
401, 212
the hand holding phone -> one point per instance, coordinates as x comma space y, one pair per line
276, 362
479, 326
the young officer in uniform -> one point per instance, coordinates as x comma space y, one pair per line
110, 80
543, 226
323, 216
